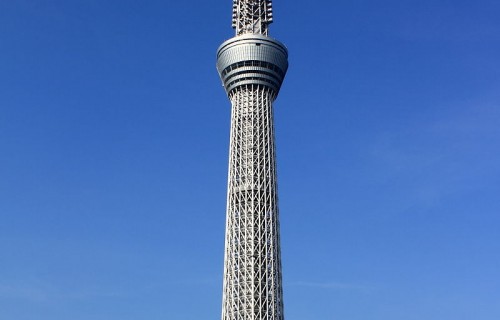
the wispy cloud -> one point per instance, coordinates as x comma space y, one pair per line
433, 160
200, 282
333, 286
23, 292
47, 293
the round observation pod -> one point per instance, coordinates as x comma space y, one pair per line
252, 59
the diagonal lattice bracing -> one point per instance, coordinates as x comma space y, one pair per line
252, 67
252, 16
252, 279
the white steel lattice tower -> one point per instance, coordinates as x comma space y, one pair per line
252, 67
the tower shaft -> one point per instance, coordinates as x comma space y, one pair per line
252, 277
252, 67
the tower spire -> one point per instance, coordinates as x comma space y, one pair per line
252, 67
252, 16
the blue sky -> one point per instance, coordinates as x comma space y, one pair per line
114, 132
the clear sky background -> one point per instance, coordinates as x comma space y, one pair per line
114, 132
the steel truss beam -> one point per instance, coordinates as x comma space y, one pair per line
252, 279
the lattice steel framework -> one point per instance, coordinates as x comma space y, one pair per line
252, 67
252, 16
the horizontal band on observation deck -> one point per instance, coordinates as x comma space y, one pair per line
252, 59
246, 72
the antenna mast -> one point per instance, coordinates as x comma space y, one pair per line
252, 67
252, 16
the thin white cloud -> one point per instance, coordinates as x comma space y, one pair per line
332, 285
23, 292
47, 293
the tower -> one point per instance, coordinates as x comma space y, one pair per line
252, 66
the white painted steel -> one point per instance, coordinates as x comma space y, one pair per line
252, 16
252, 273
252, 59
252, 67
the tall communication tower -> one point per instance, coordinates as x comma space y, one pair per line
252, 67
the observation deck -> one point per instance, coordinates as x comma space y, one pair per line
252, 59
